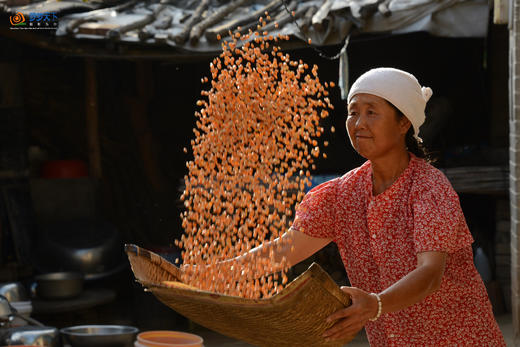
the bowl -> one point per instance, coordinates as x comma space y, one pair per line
59, 285
166, 338
99, 335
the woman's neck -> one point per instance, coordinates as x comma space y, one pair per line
386, 170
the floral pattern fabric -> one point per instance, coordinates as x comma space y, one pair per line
379, 237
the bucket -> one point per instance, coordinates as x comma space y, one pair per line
166, 338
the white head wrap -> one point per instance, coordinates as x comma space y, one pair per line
398, 87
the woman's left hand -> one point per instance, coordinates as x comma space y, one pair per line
352, 319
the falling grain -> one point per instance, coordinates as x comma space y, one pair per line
256, 134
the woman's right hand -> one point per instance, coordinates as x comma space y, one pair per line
350, 320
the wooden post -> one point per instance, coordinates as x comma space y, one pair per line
94, 152
143, 132
501, 12
514, 163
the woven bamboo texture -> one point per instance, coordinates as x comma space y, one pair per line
294, 317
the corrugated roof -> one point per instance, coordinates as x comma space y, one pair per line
194, 25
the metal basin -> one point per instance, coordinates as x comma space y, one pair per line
29, 335
6, 314
100, 335
14, 291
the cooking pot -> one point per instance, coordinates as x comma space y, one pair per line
59, 285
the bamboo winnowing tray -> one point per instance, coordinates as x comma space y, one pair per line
294, 317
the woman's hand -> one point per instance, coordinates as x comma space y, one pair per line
352, 319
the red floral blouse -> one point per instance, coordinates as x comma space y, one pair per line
379, 238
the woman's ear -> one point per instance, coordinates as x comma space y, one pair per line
404, 125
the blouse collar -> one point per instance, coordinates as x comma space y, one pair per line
397, 183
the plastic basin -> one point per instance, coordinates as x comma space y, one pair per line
165, 338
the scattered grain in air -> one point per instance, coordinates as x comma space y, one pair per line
185, 150
243, 179
219, 37
309, 41
332, 129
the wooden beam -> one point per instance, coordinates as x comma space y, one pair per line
221, 13
307, 18
92, 123
197, 15
322, 12
95, 15
222, 29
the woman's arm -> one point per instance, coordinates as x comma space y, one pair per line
293, 246
412, 288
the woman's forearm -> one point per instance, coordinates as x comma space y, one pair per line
285, 251
274, 252
416, 285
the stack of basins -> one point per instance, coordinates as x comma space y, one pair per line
17, 296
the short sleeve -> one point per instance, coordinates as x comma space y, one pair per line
315, 216
439, 223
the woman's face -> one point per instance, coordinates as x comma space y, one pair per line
374, 127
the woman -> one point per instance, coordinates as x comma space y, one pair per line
399, 227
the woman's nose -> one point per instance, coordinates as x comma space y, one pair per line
360, 122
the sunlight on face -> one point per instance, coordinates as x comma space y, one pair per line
373, 126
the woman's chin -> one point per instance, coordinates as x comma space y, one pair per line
364, 152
